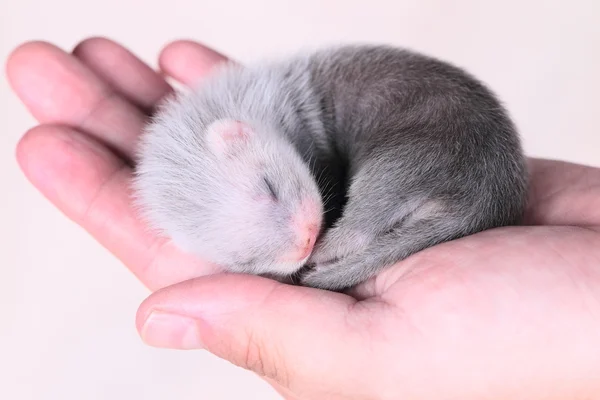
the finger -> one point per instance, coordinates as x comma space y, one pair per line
90, 185
123, 72
563, 193
58, 89
188, 62
290, 335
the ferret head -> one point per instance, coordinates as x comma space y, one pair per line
235, 193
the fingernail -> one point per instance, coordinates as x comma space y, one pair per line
172, 331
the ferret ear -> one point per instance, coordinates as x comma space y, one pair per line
227, 135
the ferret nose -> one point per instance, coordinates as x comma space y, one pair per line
305, 238
306, 225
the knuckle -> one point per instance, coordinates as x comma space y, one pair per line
253, 357
265, 363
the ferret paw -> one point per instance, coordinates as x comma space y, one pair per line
336, 276
337, 244
322, 278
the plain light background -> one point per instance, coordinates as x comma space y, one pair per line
67, 307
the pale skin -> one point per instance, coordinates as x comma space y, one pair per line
510, 313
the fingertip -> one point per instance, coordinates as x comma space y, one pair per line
188, 61
142, 315
24, 57
28, 47
65, 165
47, 141
46, 78
36, 148
203, 298
191, 46
211, 295
94, 42
36, 138
21, 150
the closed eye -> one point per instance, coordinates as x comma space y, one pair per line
270, 188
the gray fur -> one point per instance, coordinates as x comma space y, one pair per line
425, 152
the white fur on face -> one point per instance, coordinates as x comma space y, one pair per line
203, 164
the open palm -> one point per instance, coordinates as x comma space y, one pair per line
507, 313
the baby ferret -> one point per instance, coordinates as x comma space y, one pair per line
348, 159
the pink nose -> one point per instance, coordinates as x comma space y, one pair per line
306, 238
306, 224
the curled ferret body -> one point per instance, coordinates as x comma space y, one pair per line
349, 159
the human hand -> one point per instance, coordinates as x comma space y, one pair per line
507, 313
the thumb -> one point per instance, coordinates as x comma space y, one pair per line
292, 335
